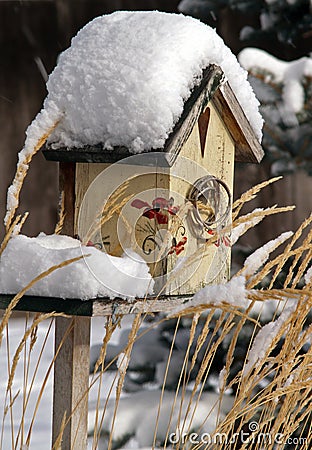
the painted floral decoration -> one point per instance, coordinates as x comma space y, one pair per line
159, 209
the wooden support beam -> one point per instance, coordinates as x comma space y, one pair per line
71, 381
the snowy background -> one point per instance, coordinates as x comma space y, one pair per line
138, 405
42, 431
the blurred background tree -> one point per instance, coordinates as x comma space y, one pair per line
282, 27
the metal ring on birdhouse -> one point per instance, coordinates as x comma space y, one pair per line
207, 192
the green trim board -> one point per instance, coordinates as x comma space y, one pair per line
93, 307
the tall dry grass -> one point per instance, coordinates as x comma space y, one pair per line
271, 385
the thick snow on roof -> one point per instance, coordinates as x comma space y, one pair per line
96, 275
126, 75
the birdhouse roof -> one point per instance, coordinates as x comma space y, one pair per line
135, 82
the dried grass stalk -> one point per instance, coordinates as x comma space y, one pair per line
22, 343
164, 384
109, 329
58, 442
21, 172
61, 214
287, 250
111, 207
250, 195
14, 228
127, 351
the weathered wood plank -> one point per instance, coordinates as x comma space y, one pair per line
67, 176
94, 307
71, 381
32, 303
247, 147
193, 107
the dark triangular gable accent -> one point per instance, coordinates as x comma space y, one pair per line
193, 107
203, 122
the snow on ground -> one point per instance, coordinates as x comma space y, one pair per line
97, 275
42, 432
42, 427
126, 75
137, 412
137, 415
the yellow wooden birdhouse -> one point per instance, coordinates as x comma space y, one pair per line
137, 183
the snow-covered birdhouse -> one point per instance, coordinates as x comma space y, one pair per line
152, 112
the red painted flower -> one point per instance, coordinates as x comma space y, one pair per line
158, 210
154, 214
222, 240
160, 203
179, 247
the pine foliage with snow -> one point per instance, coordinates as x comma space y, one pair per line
284, 90
282, 87
283, 21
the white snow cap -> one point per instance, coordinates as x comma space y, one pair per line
125, 78
98, 275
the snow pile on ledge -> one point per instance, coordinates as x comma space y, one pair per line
125, 77
97, 275
233, 292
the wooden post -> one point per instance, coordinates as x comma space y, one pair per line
71, 381
71, 368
